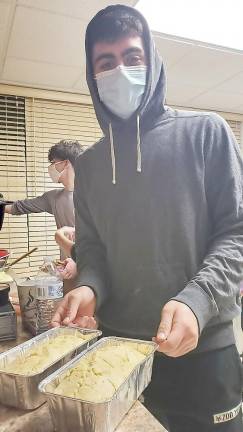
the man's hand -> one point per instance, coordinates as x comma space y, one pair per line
68, 270
65, 232
8, 208
65, 238
77, 308
178, 331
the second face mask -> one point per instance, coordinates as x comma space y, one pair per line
53, 173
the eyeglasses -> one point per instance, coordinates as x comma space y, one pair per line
55, 163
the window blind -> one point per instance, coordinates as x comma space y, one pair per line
236, 126
14, 234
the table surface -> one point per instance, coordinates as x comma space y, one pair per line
138, 419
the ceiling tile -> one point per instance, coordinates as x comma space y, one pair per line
2, 44
4, 13
43, 75
234, 85
171, 50
206, 66
218, 100
5, 18
180, 95
45, 37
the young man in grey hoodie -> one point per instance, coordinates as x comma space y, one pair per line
159, 229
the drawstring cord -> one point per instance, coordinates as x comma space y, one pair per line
113, 158
112, 151
139, 158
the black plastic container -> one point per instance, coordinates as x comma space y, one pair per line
3, 203
8, 322
4, 293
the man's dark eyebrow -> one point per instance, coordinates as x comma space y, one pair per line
132, 50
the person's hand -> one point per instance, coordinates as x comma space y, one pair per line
85, 322
65, 231
68, 269
178, 331
77, 308
65, 237
8, 208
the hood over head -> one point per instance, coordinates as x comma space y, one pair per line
152, 103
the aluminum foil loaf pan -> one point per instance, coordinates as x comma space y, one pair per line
79, 415
21, 390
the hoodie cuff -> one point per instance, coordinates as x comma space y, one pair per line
202, 305
87, 278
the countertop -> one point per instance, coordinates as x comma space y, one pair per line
138, 419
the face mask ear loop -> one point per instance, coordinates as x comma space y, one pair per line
113, 158
139, 158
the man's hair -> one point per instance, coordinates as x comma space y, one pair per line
113, 23
66, 150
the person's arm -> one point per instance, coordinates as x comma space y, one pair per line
34, 205
65, 239
215, 287
90, 253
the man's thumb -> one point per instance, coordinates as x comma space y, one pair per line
165, 324
72, 309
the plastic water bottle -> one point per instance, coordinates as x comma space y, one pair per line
49, 291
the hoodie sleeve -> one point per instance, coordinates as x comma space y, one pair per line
216, 285
89, 250
35, 205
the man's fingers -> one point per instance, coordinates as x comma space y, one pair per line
91, 323
55, 323
71, 311
59, 314
165, 325
173, 342
182, 349
86, 322
66, 275
176, 336
178, 342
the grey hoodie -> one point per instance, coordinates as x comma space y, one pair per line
173, 230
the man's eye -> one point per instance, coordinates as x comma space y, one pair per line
106, 66
134, 60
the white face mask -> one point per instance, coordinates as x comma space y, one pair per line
53, 173
121, 89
